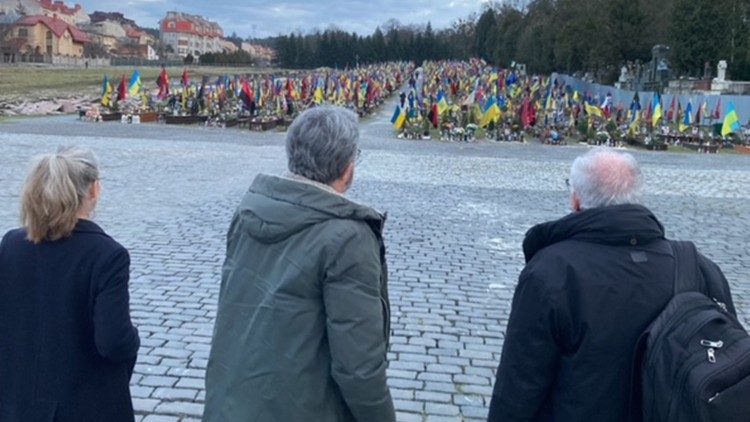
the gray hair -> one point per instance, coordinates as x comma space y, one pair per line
604, 177
55, 190
322, 142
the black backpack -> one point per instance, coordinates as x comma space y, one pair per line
693, 361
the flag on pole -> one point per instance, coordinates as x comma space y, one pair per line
399, 117
688, 120
122, 90
491, 113
106, 92
731, 122
442, 102
134, 87
670, 113
717, 111
185, 78
593, 110
657, 110
163, 83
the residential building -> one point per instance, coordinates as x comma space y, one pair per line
262, 53
49, 36
228, 46
191, 34
136, 51
55, 9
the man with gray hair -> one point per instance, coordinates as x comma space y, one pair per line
593, 281
302, 325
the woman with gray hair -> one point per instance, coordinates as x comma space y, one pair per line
68, 346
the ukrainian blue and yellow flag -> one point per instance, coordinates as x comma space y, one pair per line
491, 113
442, 102
687, 121
134, 87
658, 112
593, 110
399, 118
731, 121
106, 92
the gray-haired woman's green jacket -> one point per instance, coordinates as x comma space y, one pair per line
303, 320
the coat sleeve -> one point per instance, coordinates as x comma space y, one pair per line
530, 355
716, 283
354, 324
115, 336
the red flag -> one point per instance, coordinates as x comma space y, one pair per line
185, 78
670, 113
717, 111
435, 116
122, 90
698, 116
163, 83
649, 113
247, 94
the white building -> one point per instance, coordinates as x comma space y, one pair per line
191, 34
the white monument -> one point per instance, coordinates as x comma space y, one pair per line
721, 70
720, 82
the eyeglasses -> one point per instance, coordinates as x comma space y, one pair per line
358, 156
567, 182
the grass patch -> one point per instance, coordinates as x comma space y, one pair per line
679, 149
28, 82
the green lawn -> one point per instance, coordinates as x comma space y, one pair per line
44, 82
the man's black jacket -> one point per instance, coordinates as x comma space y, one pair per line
593, 282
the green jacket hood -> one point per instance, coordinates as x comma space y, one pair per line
275, 208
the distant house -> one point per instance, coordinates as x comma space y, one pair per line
228, 46
136, 51
56, 9
43, 35
139, 37
259, 52
191, 34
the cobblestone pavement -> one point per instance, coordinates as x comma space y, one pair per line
457, 215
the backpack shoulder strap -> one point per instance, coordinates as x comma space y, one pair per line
686, 275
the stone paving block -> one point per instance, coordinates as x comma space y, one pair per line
144, 405
159, 381
181, 408
432, 396
197, 383
408, 405
175, 393
439, 409
409, 417
160, 418
442, 418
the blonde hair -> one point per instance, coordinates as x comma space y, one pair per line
54, 192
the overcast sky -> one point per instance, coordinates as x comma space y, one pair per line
267, 18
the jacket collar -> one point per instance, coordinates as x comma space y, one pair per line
87, 226
302, 179
614, 225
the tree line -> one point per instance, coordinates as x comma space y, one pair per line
597, 36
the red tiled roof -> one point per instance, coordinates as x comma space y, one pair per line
186, 27
57, 26
59, 6
133, 33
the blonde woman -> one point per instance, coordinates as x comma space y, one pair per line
67, 345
